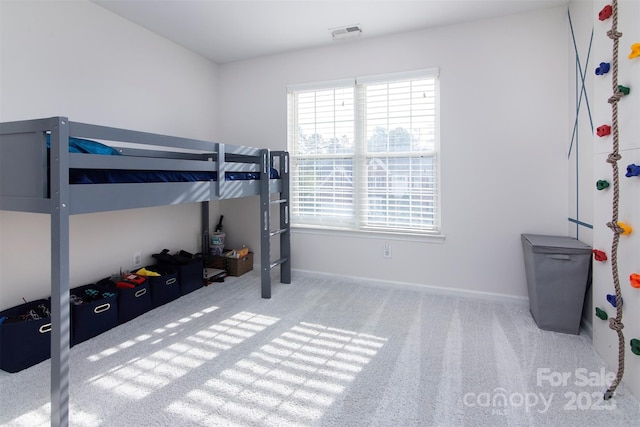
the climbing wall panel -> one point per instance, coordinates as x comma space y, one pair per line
627, 261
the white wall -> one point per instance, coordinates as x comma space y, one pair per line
503, 130
503, 137
76, 59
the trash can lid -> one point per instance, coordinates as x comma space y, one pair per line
555, 244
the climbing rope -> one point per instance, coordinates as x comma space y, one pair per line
615, 323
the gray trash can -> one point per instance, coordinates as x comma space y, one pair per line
558, 273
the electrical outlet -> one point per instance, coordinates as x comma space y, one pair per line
137, 259
387, 250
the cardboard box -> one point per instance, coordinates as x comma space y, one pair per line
239, 266
233, 266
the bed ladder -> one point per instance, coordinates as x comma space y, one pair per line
280, 161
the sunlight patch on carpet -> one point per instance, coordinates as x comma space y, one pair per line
291, 380
144, 375
156, 333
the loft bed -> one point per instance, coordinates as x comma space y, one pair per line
57, 167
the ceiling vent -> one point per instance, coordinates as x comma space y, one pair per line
346, 32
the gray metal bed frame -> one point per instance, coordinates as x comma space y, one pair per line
30, 182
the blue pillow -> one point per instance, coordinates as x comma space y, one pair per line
79, 145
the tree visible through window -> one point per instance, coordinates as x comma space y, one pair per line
364, 154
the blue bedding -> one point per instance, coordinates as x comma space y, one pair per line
100, 176
79, 145
107, 176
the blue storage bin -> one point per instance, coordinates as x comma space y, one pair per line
94, 310
190, 269
25, 341
164, 288
190, 276
132, 302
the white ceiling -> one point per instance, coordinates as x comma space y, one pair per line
231, 30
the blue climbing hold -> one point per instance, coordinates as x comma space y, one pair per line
603, 68
632, 170
612, 300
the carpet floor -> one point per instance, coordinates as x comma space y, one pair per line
326, 352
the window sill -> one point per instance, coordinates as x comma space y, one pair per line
405, 237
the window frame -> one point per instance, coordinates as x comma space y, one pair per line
360, 155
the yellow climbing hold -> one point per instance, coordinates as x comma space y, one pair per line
635, 51
626, 229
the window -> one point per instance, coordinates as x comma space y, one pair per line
364, 154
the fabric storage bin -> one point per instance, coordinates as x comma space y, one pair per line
94, 310
132, 302
190, 276
25, 340
164, 288
190, 269
558, 271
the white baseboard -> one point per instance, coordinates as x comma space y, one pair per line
586, 327
464, 293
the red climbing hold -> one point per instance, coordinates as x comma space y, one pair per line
599, 255
605, 13
635, 280
603, 130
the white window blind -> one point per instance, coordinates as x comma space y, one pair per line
364, 154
